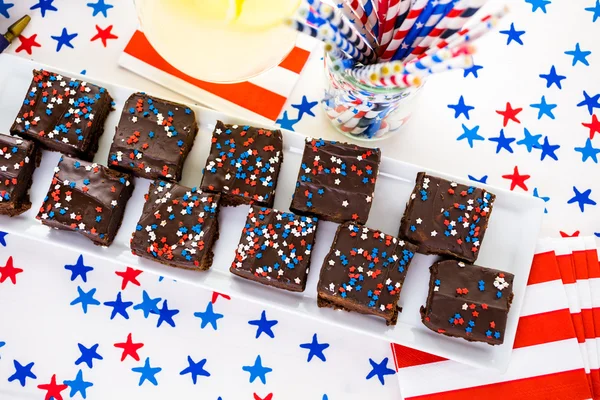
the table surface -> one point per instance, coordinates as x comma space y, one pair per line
458, 129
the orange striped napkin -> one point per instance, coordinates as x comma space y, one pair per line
260, 98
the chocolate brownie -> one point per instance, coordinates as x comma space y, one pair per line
18, 160
468, 301
178, 226
364, 272
243, 164
153, 138
275, 248
63, 114
86, 198
447, 218
336, 181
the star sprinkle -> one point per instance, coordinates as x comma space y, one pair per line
64, 39
22, 373
473, 70
461, 108
305, 107
513, 35
315, 349
52, 389
44, 6
208, 317
517, 179
119, 307
166, 315
582, 198
78, 385
538, 5
595, 10
544, 108
79, 269
552, 78
380, 370
129, 276
470, 135
9, 272
549, 150
545, 198
147, 372
593, 126
263, 325
104, 35
530, 141
257, 371
88, 355
85, 299
502, 142
148, 305
579, 55
100, 7
4, 6
195, 369
588, 151
510, 114
590, 102
286, 123
27, 43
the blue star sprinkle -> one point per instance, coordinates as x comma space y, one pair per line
549, 150
263, 325
590, 102
286, 123
22, 373
483, 179
147, 372
79, 269
257, 371
64, 39
595, 10
552, 78
4, 8
148, 304
100, 7
44, 6
2, 238
166, 315
85, 299
315, 349
473, 70
538, 5
305, 107
513, 35
88, 355
195, 369
579, 55
546, 199
530, 141
380, 370
588, 151
470, 134
461, 108
78, 385
582, 198
119, 307
503, 142
208, 316
544, 108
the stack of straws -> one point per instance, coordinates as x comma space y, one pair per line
390, 44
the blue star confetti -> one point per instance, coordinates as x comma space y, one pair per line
544, 108
79, 269
474, 70
78, 385
100, 8
552, 78
461, 108
483, 179
595, 10
166, 315
64, 39
502, 142
3, 238
263, 325
538, 5
148, 373
22, 372
119, 307
88, 355
148, 305
579, 55
513, 35
208, 317
549, 150
4, 6
530, 141
582, 198
546, 199
286, 123
588, 151
195, 369
44, 6
315, 349
470, 135
305, 107
85, 299
380, 370
590, 102
257, 371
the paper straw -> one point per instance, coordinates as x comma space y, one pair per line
460, 62
371, 14
442, 8
387, 24
459, 22
363, 54
414, 32
347, 12
359, 11
371, 73
401, 32
302, 27
437, 58
399, 81
382, 12
337, 21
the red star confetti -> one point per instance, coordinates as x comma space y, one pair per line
565, 235
267, 397
216, 295
129, 348
594, 126
53, 389
27, 43
510, 114
104, 34
129, 275
8, 271
517, 179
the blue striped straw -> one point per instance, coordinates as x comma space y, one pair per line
337, 22
371, 15
405, 49
302, 27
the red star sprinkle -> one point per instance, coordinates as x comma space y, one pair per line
129, 275
129, 348
564, 234
510, 114
104, 34
517, 179
8, 271
267, 397
594, 126
216, 295
53, 389
27, 43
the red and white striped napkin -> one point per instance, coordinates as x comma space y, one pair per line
259, 99
557, 348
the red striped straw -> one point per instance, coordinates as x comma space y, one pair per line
458, 23
436, 16
387, 25
371, 12
401, 32
359, 11
347, 12
382, 9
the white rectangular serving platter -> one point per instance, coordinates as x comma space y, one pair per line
509, 242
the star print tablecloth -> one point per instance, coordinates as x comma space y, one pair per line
524, 117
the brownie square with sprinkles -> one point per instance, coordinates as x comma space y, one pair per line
178, 226
447, 218
18, 160
86, 198
468, 301
153, 138
336, 181
63, 114
364, 272
275, 248
243, 164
